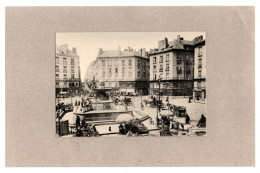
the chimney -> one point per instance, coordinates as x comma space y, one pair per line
74, 50
166, 42
100, 51
119, 50
143, 51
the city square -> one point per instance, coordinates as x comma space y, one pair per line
129, 92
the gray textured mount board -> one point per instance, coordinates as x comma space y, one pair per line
30, 48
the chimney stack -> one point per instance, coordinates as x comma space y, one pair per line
100, 51
119, 50
74, 50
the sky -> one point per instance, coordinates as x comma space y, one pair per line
88, 43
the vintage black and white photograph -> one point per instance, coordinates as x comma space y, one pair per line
130, 84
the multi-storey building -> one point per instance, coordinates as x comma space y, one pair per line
67, 70
199, 91
125, 71
173, 62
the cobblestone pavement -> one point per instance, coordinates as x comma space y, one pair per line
194, 109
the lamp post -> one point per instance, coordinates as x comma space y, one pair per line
158, 103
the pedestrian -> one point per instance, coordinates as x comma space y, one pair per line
83, 122
187, 119
202, 121
77, 122
121, 129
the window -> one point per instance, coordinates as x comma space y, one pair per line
154, 77
109, 62
130, 62
65, 83
64, 61
200, 51
187, 57
57, 75
123, 70
161, 59
76, 84
154, 60
57, 60
167, 76
72, 76
64, 69
167, 58
123, 62
72, 69
130, 70
57, 69
154, 68
178, 70
103, 63
57, 83
188, 70
199, 73
116, 70
109, 71
200, 63
138, 73
167, 67
161, 68
64, 75
116, 85
72, 61
198, 84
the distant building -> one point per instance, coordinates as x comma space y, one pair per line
173, 61
67, 70
199, 91
126, 71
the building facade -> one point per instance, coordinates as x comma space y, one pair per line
173, 62
199, 91
67, 70
125, 71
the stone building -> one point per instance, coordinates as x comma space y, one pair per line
199, 91
125, 71
173, 62
67, 70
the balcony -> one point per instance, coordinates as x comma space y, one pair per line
161, 70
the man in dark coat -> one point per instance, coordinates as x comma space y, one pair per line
77, 122
202, 121
187, 119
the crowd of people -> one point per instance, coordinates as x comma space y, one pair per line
85, 129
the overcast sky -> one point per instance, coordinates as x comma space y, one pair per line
88, 43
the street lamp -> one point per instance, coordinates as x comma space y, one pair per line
158, 103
